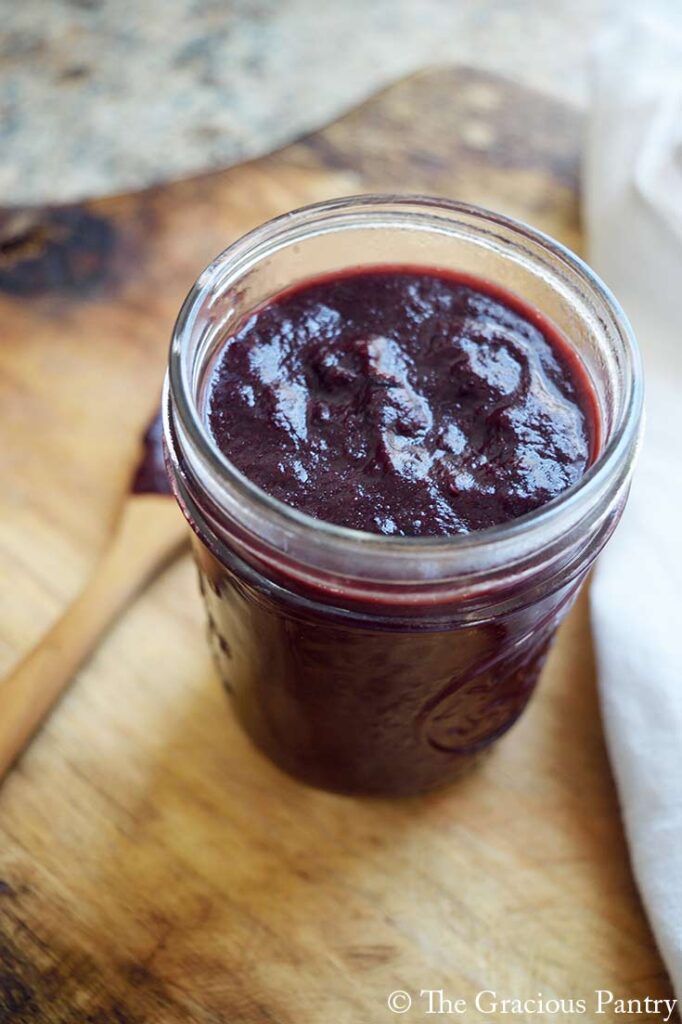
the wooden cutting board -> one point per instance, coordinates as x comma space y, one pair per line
154, 867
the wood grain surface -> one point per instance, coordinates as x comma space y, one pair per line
153, 866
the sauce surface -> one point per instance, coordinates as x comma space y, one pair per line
403, 401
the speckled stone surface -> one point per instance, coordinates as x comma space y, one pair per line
98, 96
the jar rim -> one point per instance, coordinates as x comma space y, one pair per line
281, 231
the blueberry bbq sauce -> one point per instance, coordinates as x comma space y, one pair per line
401, 402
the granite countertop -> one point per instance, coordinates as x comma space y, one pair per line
100, 96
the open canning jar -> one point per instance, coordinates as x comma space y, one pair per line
376, 664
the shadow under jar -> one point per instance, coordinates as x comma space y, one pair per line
377, 664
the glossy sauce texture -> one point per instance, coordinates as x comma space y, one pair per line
397, 401
403, 401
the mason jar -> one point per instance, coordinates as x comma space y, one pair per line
376, 664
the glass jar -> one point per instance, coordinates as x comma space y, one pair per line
373, 664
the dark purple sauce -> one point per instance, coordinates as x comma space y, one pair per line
150, 476
403, 401
398, 401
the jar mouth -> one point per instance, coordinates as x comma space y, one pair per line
408, 211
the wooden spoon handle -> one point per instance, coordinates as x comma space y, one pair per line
150, 530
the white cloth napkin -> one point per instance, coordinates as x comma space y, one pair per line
633, 193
